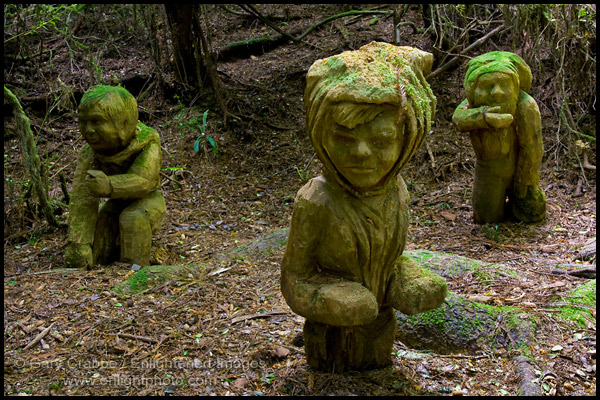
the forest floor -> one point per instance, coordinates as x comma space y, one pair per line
224, 327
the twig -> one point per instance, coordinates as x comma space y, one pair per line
574, 305
142, 338
462, 356
586, 163
39, 337
430, 155
257, 315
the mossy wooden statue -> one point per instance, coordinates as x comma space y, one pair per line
368, 111
121, 161
506, 133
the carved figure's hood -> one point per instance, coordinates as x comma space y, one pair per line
377, 73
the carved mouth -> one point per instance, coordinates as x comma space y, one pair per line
360, 169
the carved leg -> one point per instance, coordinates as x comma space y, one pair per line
531, 208
106, 244
136, 237
489, 195
136, 224
333, 348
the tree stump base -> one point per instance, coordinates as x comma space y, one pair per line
341, 348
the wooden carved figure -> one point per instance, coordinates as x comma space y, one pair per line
120, 162
506, 133
368, 111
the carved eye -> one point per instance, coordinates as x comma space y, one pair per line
382, 143
344, 139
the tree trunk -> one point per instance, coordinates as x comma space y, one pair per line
180, 19
32, 160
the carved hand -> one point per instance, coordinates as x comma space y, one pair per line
98, 183
495, 119
348, 303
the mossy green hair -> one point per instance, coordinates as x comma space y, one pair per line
498, 61
98, 92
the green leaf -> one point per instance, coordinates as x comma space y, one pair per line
212, 143
204, 116
197, 145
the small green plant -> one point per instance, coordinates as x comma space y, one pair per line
203, 135
491, 232
303, 177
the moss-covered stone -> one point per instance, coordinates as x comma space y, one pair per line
463, 326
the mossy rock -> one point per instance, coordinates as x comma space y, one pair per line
452, 266
460, 325
463, 326
266, 244
153, 275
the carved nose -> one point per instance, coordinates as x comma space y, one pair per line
497, 91
362, 149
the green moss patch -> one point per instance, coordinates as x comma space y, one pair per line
583, 300
151, 276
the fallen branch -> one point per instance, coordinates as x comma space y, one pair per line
586, 163
588, 273
267, 42
474, 45
579, 190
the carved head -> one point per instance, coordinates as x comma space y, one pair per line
108, 117
368, 111
495, 79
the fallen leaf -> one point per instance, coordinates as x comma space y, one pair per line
448, 215
281, 352
239, 383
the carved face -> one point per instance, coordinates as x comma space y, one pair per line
496, 89
100, 131
365, 154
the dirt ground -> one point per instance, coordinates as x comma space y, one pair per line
224, 328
